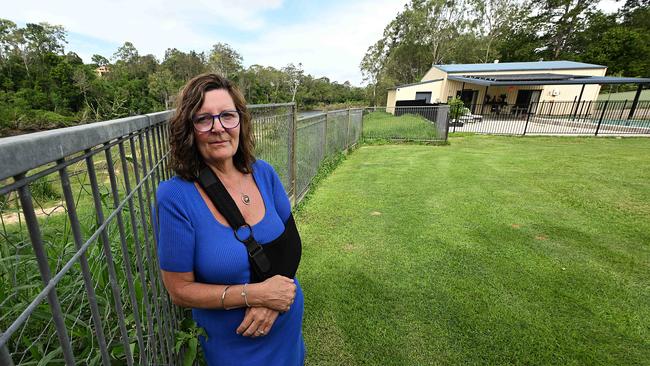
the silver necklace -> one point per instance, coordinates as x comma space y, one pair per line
244, 197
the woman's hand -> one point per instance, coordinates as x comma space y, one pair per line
257, 322
277, 293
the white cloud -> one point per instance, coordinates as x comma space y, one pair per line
151, 25
331, 45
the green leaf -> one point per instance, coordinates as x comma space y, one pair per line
190, 355
50, 357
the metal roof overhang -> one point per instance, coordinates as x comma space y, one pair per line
532, 79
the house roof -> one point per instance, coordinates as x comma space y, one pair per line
544, 79
517, 66
412, 84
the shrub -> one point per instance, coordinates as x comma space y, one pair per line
456, 108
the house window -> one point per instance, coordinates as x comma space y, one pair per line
426, 96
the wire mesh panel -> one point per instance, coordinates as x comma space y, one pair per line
310, 150
337, 131
356, 124
272, 130
420, 123
78, 274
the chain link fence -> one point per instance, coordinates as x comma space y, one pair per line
79, 278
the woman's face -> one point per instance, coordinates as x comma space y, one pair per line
217, 145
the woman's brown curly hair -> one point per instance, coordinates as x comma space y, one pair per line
186, 160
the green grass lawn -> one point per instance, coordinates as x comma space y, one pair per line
493, 250
382, 125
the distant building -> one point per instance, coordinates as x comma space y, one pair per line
512, 83
102, 70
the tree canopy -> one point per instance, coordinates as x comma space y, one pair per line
431, 32
42, 87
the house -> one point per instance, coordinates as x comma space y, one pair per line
516, 85
101, 70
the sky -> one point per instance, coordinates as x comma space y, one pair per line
329, 37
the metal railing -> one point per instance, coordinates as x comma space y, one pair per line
554, 118
402, 123
79, 279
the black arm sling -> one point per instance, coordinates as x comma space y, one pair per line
280, 256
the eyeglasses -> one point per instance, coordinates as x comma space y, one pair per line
227, 119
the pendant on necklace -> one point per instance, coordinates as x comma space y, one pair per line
245, 199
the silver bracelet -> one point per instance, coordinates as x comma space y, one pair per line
223, 297
245, 295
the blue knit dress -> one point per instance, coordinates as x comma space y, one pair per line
191, 240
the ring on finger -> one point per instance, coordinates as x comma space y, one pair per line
260, 332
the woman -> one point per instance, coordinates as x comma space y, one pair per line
203, 264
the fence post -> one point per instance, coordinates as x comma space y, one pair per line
293, 133
602, 114
347, 134
327, 116
454, 112
361, 134
442, 122
527, 118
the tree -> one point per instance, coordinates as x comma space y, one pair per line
7, 29
184, 66
493, 19
161, 84
225, 60
99, 60
559, 21
294, 75
127, 53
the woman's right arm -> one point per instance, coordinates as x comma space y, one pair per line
277, 292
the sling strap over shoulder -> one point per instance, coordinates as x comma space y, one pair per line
280, 256
228, 208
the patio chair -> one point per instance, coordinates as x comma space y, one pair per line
470, 118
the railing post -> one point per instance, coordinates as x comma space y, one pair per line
5, 356
293, 131
623, 109
83, 261
36, 239
602, 114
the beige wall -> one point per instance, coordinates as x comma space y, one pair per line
434, 73
390, 100
408, 92
569, 92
